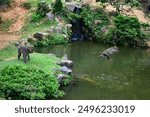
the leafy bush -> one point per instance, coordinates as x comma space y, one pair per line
67, 80
95, 29
1, 20
57, 39
57, 6
73, 16
5, 2
102, 1
36, 17
27, 5
5, 24
127, 31
134, 3
43, 8
24, 82
52, 40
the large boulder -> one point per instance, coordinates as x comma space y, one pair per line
50, 15
66, 70
66, 62
72, 5
38, 35
61, 76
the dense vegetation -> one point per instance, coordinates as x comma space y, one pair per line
35, 80
5, 2
22, 82
127, 31
95, 21
57, 6
122, 30
98, 25
59, 33
52, 40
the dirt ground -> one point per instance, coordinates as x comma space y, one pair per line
6, 39
18, 14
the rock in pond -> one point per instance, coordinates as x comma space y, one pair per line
66, 70
67, 63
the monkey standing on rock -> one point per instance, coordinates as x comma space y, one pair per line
109, 51
25, 48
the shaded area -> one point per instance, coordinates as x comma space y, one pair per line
77, 25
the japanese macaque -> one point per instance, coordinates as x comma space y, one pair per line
112, 50
24, 48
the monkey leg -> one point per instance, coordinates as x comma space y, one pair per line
28, 57
25, 57
19, 54
106, 56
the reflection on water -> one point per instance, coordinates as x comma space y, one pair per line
125, 76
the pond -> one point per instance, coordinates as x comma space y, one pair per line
125, 76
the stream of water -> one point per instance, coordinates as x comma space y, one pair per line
125, 76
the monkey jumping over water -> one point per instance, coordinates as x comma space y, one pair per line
109, 51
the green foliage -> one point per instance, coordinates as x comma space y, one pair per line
90, 17
57, 39
1, 20
22, 82
146, 30
8, 52
36, 17
5, 25
45, 61
52, 40
57, 7
72, 16
102, 1
27, 5
145, 25
32, 27
127, 31
5, 2
43, 8
134, 3
67, 80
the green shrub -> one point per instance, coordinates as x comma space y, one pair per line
5, 25
102, 1
127, 31
52, 40
134, 3
24, 82
27, 5
1, 21
67, 80
5, 2
42, 8
57, 6
36, 17
57, 39
72, 16
89, 17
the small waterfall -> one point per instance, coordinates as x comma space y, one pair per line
77, 31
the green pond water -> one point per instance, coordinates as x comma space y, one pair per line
125, 76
